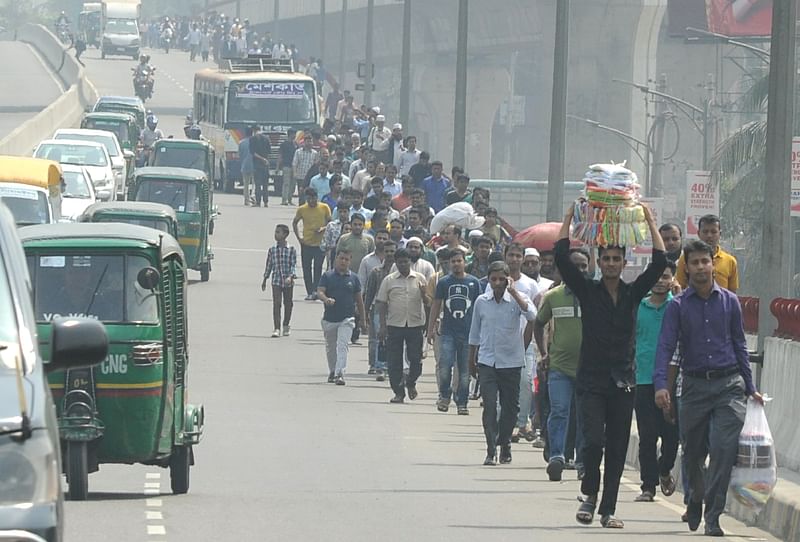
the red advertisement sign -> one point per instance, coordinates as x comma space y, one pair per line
740, 17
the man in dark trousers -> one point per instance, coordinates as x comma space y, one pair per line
606, 376
716, 382
260, 149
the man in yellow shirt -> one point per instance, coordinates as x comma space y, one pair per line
726, 272
315, 216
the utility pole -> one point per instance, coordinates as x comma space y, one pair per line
558, 115
656, 184
460, 119
238, 9
321, 29
368, 67
405, 68
707, 124
276, 15
342, 44
776, 234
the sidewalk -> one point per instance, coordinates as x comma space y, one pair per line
781, 516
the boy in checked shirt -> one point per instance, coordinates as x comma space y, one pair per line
281, 263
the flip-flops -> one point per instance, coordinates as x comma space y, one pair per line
611, 522
585, 513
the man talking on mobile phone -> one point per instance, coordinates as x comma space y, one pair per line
496, 354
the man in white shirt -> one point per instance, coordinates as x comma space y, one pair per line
408, 158
396, 145
418, 263
531, 264
379, 138
362, 178
496, 354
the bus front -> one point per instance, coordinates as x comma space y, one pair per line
274, 107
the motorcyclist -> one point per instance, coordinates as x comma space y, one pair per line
144, 71
194, 132
150, 135
62, 20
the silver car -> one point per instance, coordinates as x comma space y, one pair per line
31, 499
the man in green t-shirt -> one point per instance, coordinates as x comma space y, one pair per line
560, 356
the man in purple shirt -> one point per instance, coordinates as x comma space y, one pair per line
435, 187
716, 382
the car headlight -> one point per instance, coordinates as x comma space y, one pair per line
29, 470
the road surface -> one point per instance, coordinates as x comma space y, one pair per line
28, 85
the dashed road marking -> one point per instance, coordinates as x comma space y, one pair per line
154, 515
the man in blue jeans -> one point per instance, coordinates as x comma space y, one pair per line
560, 354
456, 292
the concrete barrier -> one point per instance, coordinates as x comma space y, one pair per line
780, 378
67, 110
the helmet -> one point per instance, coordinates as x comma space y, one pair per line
194, 132
142, 58
152, 121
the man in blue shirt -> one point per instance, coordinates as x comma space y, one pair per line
246, 160
436, 187
340, 290
497, 354
457, 293
716, 382
649, 419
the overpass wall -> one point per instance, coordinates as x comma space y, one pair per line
510, 37
67, 109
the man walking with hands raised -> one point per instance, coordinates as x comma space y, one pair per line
606, 375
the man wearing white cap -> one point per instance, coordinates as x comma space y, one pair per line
396, 147
378, 140
530, 266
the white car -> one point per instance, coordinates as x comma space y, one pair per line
110, 142
93, 156
78, 192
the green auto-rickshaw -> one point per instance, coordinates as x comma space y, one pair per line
185, 153
188, 192
141, 213
133, 407
124, 125
122, 104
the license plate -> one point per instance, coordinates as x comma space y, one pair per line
123, 49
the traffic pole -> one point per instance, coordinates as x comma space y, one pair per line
460, 119
321, 30
368, 54
342, 43
558, 116
774, 278
405, 68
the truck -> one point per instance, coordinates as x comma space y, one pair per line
119, 22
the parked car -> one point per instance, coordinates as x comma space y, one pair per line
112, 145
78, 191
31, 500
93, 156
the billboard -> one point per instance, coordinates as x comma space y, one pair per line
735, 18
702, 198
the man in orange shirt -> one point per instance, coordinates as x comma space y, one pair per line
726, 272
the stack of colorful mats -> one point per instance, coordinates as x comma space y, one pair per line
610, 215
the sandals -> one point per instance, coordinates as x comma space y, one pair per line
611, 522
585, 513
667, 484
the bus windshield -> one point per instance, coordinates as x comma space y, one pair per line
121, 26
95, 286
271, 102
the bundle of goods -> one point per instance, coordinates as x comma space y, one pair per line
755, 473
610, 215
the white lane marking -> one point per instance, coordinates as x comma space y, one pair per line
154, 515
156, 530
152, 485
153, 475
153, 503
231, 249
152, 491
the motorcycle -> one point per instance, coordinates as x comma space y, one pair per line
143, 83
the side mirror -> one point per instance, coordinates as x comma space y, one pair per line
76, 342
87, 109
128, 155
148, 278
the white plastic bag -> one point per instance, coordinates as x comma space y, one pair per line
460, 213
755, 473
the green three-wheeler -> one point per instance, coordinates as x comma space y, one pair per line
141, 213
188, 192
133, 407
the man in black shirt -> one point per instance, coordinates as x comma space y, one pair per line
421, 169
260, 149
606, 375
285, 158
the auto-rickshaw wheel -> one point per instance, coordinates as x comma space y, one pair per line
179, 463
205, 272
78, 470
